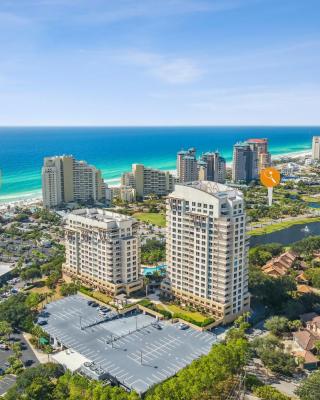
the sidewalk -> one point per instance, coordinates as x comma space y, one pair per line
42, 357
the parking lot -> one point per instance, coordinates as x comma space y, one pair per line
7, 381
130, 349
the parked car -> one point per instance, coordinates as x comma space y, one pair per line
157, 326
42, 323
94, 304
28, 363
4, 346
183, 327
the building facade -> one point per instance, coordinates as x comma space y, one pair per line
316, 148
187, 166
245, 163
207, 249
103, 251
261, 147
65, 180
215, 167
148, 181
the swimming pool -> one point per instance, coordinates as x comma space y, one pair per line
147, 271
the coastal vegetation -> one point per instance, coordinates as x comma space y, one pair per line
153, 251
157, 219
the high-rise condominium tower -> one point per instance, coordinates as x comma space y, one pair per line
65, 180
103, 250
148, 181
215, 167
245, 163
207, 249
316, 148
187, 166
264, 157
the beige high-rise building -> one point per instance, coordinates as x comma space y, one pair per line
261, 147
187, 166
64, 180
148, 181
207, 249
103, 250
316, 148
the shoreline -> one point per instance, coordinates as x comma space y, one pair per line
22, 200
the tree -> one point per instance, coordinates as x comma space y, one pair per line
269, 393
30, 274
295, 325
270, 350
15, 311
277, 325
5, 329
309, 389
33, 300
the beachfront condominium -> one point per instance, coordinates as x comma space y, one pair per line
316, 148
212, 167
264, 157
66, 180
207, 249
147, 181
245, 163
103, 251
187, 166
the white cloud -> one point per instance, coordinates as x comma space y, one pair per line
169, 69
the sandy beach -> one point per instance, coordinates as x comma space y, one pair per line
28, 202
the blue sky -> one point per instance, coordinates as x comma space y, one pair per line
159, 62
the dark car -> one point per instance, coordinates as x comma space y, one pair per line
157, 326
28, 363
41, 323
90, 302
94, 304
2, 371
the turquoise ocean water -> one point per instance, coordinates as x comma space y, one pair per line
115, 149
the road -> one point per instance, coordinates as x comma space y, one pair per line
8, 381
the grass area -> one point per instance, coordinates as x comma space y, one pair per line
310, 199
175, 309
282, 225
152, 218
42, 289
104, 298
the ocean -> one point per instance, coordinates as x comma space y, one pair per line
114, 149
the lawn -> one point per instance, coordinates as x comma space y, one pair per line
311, 199
195, 315
152, 218
282, 225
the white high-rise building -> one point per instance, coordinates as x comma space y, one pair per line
316, 148
207, 249
103, 250
65, 180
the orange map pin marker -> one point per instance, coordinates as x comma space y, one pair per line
270, 177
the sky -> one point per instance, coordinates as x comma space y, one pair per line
159, 62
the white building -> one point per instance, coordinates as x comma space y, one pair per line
316, 148
148, 181
66, 180
207, 249
103, 250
